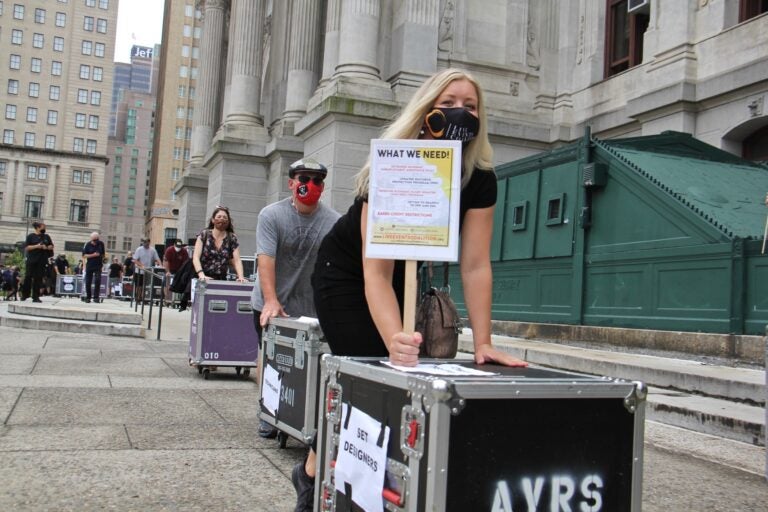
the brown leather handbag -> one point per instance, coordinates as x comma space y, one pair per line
438, 320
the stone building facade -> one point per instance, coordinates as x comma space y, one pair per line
280, 80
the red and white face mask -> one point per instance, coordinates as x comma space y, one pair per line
307, 189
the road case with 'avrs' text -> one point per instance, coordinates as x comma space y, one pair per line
530, 438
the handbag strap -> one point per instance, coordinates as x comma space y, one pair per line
431, 273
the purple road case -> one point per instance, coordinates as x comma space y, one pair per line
222, 332
293, 348
525, 439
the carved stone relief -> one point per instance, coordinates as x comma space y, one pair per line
446, 27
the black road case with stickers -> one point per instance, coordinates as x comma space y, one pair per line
522, 439
292, 347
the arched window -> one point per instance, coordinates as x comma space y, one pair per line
755, 147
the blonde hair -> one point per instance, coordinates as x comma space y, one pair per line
477, 154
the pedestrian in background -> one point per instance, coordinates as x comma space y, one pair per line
38, 248
115, 277
173, 258
93, 253
62, 264
143, 258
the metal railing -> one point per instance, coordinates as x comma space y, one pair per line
152, 276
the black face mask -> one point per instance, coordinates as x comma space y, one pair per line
452, 124
42, 231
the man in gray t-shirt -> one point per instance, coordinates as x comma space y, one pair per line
143, 258
288, 236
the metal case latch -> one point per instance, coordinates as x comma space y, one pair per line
298, 345
328, 497
412, 424
396, 480
269, 338
333, 403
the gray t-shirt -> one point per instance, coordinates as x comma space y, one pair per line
147, 257
292, 240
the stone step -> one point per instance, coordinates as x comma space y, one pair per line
26, 321
739, 384
722, 401
714, 416
85, 313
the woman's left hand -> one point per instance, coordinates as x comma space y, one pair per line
487, 354
241, 280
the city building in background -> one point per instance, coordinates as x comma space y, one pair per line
279, 80
139, 75
126, 182
177, 86
55, 96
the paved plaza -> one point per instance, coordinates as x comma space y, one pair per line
100, 422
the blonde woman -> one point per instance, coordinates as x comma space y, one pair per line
359, 300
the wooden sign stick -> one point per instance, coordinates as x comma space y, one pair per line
409, 297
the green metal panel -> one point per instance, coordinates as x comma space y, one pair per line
629, 215
756, 290
532, 291
673, 243
556, 212
721, 189
522, 201
661, 291
498, 220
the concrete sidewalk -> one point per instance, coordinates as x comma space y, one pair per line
92, 422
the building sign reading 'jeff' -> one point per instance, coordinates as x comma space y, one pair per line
141, 52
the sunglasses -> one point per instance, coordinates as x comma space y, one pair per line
317, 180
219, 207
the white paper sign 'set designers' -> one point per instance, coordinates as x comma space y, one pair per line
270, 392
362, 458
413, 200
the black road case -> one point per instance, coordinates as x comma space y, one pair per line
292, 347
522, 439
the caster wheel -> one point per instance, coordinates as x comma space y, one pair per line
206, 373
282, 439
199, 370
246, 372
237, 370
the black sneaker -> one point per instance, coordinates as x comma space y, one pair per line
266, 430
305, 488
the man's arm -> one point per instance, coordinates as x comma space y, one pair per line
272, 307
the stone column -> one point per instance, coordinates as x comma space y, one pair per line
50, 203
414, 42
245, 45
358, 39
208, 84
302, 57
331, 51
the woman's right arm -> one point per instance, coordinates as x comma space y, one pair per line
197, 266
382, 303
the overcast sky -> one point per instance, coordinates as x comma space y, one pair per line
138, 22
